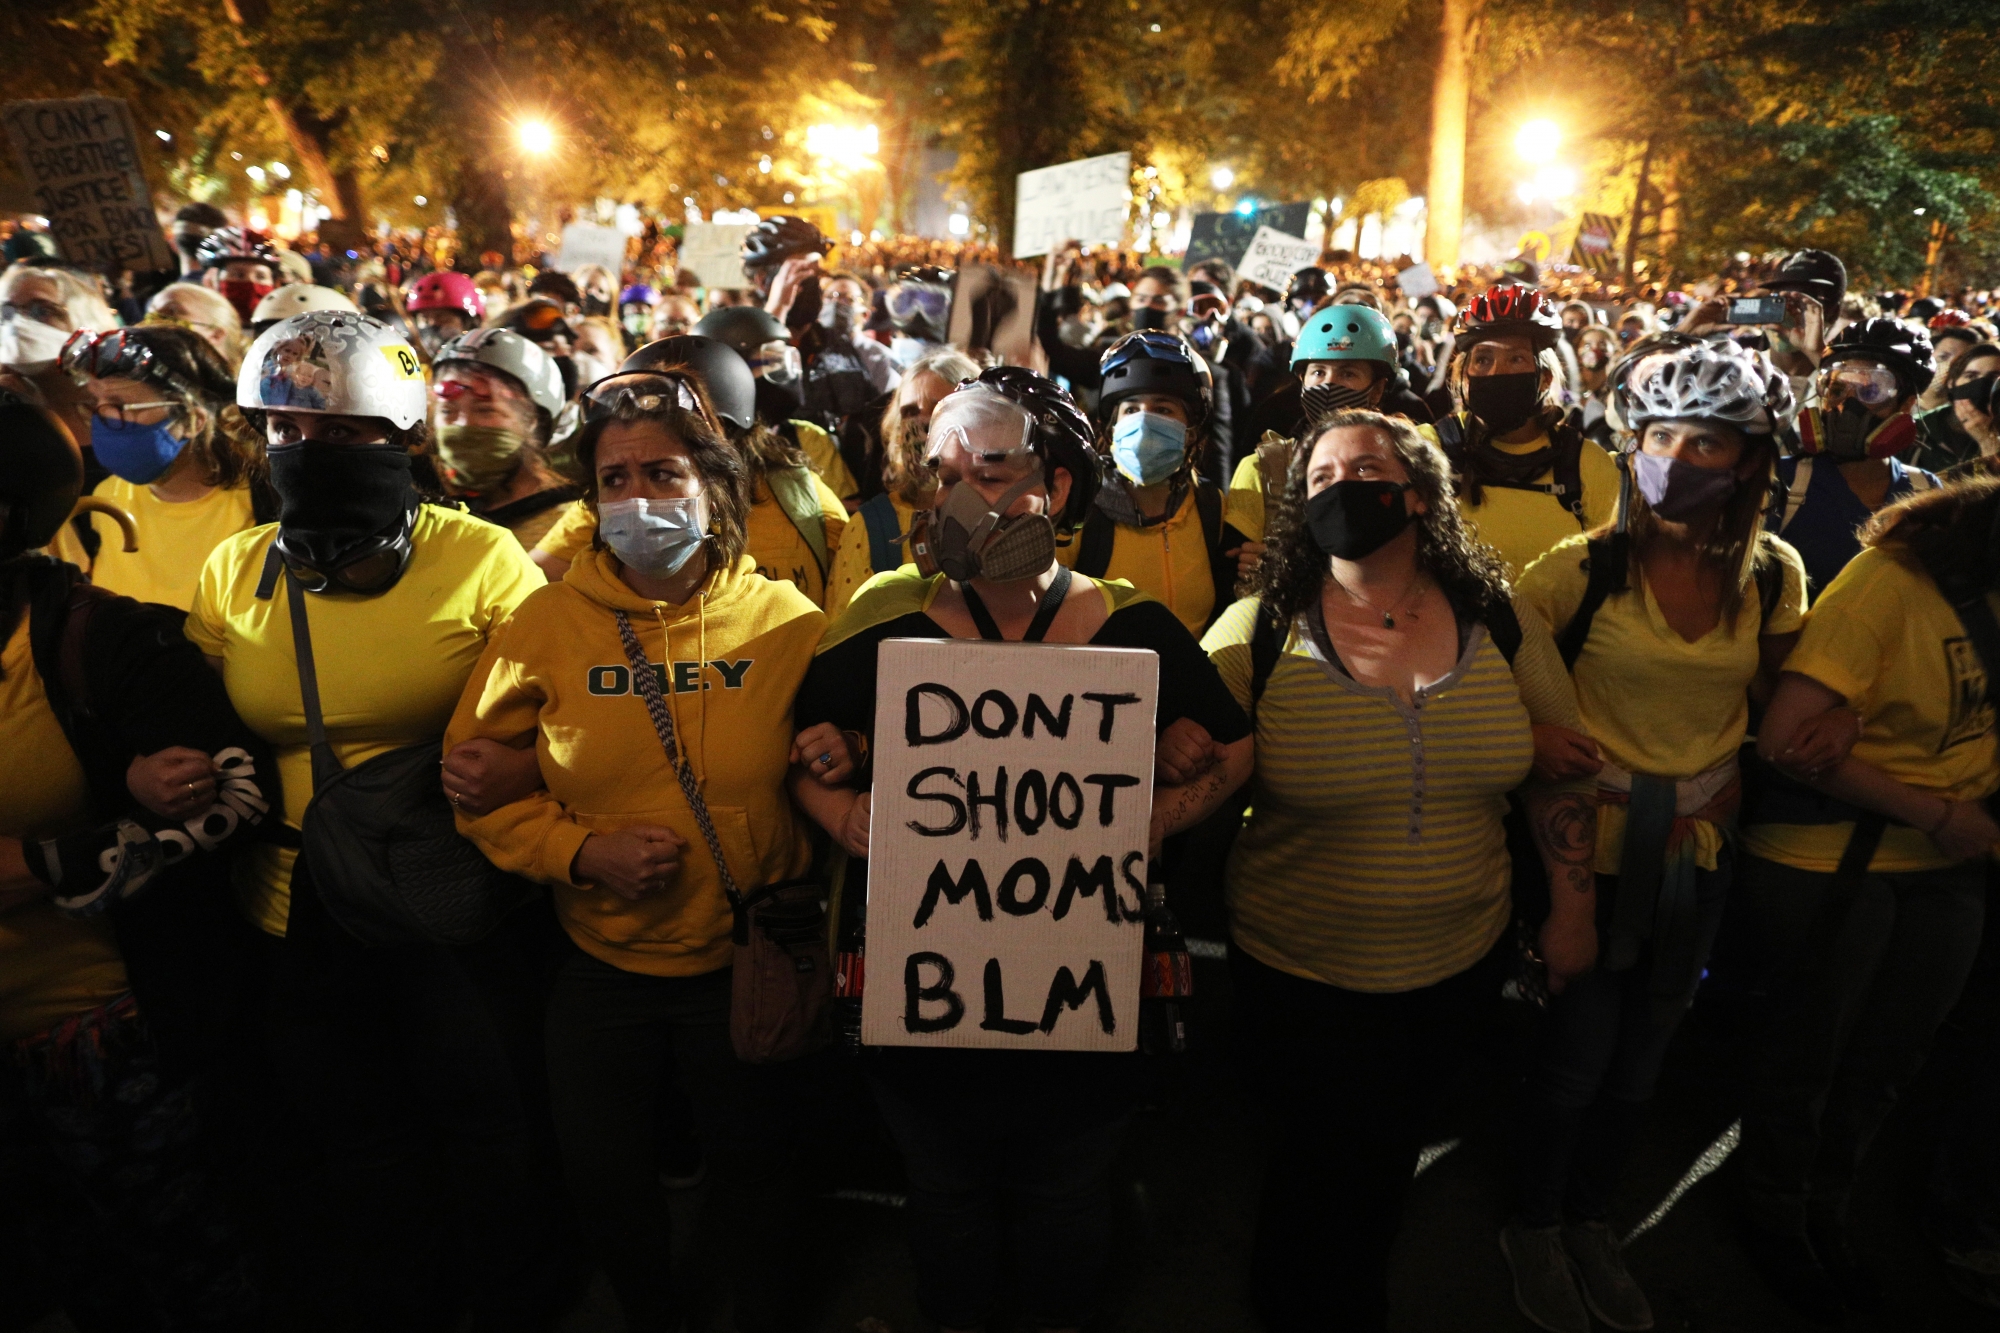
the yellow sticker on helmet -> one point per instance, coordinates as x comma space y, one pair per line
403, 358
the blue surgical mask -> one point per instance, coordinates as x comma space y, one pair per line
1148, 447
655, 537
137, 453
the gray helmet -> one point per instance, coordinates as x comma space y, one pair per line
1716, 381
509, 353
744, 327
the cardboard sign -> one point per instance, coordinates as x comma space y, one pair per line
587, 243
1417, 280
1273, 257
1596, 237
1226, 236
993, 309
713, 251
1007, 839
1085, 201
81, 159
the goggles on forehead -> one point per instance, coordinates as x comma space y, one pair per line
777, 361
1872, 385
647, 391
102, 355
987, 427
907, 300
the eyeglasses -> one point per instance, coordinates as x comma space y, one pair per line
646, 392
114, 414
102, 355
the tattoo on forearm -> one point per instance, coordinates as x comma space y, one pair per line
1182, 802
1567, 831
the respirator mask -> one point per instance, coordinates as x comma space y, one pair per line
966, 537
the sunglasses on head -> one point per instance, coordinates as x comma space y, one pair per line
103, 355
647, 391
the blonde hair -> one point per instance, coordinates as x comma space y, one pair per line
902, 475
191, 303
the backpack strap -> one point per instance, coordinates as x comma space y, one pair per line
1606, 561
1769, 576
1094, 543
1795, 494
792, 488
1566, 443
885, 534
1504, 628
1221, 568
84, 599
1450, 430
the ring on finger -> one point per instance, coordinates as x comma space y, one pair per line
826, 760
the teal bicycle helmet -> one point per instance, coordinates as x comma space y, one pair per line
1346, 333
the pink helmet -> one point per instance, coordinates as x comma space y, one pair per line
446, 290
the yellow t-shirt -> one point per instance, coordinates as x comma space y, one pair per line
1374, 857
772, 540
853, 562
1884, 638
824, 455
391, 665
1656, 703
174, 540
1168, 560
51, 966
1520, 525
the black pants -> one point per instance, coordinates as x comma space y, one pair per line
1348, 1082
398, 1063
617, 1042
1962, 1207
1021, 1174
1856, 995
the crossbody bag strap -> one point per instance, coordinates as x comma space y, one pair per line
324, 762
647, 686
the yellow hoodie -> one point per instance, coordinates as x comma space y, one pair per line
738, 651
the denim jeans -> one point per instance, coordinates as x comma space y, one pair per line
618, 1042
1348, 1082
1597, 1060
1853, 1002
1016, 1176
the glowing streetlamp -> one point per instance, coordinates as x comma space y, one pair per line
1222, 178
1537, 141
848, 146
537, 136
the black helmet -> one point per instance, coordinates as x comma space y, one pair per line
744, 327
1903, 349
41, 475
1817, 273
732, 389
774, 240
1155, 361
1062, 438
1924, 309
1308, 284
230, 244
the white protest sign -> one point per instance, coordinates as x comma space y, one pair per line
81, 159
1273, 257
1085, 201
587, 243
1007, 845
714, 252
1417, 280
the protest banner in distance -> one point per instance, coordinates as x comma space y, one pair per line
1007, 845
588, 243
1225, 236
81, 159
1085, 201
1273, 257
713, 251
1417, 280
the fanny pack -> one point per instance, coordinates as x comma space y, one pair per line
781, 985
380, 840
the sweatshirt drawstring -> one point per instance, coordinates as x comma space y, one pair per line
701, 677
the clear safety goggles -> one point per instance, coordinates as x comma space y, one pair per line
777, 361
1871, 385
647, 391
979, 428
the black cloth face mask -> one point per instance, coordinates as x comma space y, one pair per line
1504, 402
333, 499
1354, 519
1146, 317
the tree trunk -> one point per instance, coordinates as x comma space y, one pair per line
308, 134
1638, 222
485, 217
1450, 102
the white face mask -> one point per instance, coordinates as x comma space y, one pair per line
28, 346
655, 537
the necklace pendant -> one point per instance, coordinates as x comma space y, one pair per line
1388, 621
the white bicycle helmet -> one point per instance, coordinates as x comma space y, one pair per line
297, 298
336, 362
1714, 381
509, 353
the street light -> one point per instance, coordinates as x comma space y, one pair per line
843, 145
1222, 178
1538, 140
536, 136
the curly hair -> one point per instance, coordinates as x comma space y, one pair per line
1951, 528
725, 470
220, 439
1469, 572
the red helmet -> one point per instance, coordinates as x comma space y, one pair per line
1949, 319
1509, 308
446, 290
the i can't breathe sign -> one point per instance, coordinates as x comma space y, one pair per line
1007, 838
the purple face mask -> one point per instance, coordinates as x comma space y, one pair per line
1678, 491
